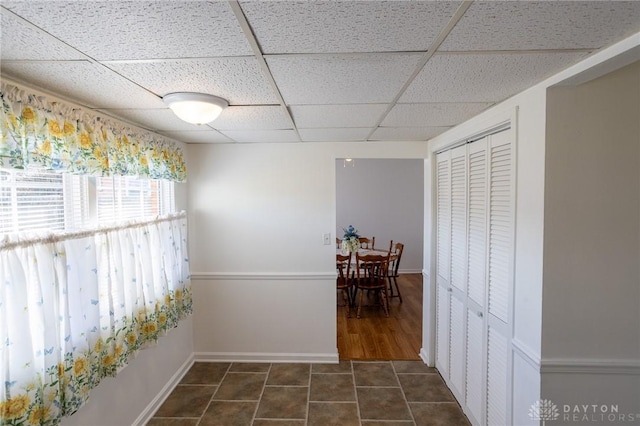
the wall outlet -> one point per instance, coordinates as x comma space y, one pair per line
327, 239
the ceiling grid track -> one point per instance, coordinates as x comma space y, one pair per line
248, 32
462, 9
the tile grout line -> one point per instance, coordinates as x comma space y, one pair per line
355, 391
285, 386
379, 387
213, 394
169, 417
264, 385
404, 396
306, 416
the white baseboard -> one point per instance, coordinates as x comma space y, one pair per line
156, 402
424, 356
409, 271
324, 358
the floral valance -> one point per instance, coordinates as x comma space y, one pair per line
36, 132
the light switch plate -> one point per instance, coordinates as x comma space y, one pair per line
327, 239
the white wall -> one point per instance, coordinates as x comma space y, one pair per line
137, 391
592, 219
264, 282
384, 199
427, 351
591, 304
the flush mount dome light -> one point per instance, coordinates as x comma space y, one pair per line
195, 108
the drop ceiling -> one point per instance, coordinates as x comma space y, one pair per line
302, 71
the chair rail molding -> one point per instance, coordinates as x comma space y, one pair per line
590, 366
280, 276
526, 353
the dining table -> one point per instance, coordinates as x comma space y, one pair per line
363, 252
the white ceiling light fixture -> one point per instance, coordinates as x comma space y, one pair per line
195, 108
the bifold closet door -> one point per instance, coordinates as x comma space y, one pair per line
476, 358
443, 251
500, 275
458, 282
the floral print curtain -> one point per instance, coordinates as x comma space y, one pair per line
56, 136
76, 308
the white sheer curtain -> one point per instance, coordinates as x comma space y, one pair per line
75, 308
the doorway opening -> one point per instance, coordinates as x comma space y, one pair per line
384, 198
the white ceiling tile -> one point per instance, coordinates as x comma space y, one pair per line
426, 115
341, 79
262, 135
322, 116
334, 135
88, 84
159, 119
252, 118
346, 26
238, 80
21, 41
406, 133
198, 136
483, 77
526, 25
139, 29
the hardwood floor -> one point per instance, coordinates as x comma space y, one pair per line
375, 337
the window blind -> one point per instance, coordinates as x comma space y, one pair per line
44, 200
31, 201
120, 198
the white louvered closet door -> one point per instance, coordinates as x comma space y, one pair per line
458, 282
477, 222
476, 278
475, 366
500, 275
500, 225
443, 248
459, 218
497, 368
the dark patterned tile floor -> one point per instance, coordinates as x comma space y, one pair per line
359, 393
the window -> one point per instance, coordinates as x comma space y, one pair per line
44, 200
37, 200
121, 198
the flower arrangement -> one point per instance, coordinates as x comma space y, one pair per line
350, 240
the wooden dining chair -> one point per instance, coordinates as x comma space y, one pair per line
371, 272
344, 282
395, 253
367, 243
338, 243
